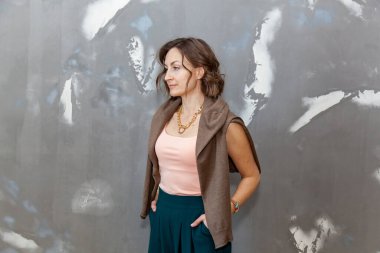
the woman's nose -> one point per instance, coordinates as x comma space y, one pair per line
168, 76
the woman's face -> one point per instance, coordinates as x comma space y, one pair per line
177, 76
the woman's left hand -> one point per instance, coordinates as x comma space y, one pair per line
198, 221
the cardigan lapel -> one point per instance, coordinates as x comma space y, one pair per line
160, 118
212, 120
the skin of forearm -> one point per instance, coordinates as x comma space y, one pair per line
247, 186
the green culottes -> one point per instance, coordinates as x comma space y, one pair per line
170, 226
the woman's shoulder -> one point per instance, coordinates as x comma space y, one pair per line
167, 104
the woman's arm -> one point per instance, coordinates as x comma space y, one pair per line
239, 149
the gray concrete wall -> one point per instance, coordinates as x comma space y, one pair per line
77, 94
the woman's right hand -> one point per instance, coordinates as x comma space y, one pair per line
153, 205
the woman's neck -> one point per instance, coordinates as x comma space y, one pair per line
192, 103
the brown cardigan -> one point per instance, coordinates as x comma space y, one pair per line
213, 163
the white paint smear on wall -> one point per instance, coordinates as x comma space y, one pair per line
316, 105
18, 241
143, 63
354, 8
369, 98
136, 52
98, 14
150, 83
312, 4
376, 175
264, 74
93, 198
77, 90
313, 241
66, 102
265, 64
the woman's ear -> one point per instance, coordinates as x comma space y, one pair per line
200, 72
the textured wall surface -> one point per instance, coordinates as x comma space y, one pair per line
77, 95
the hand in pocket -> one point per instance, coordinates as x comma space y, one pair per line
198, 221
153, 205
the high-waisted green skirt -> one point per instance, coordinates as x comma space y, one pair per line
170, 226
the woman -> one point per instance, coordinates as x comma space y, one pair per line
195, 141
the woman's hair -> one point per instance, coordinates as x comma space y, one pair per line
199, 54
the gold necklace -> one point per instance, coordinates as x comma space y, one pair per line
182, 128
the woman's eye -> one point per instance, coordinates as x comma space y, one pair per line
176, 68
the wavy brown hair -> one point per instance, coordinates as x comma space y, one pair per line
199, 54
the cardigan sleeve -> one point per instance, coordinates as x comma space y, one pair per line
148, 188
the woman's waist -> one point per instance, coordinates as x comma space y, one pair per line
173, 200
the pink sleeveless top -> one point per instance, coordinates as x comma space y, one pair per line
178, 164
